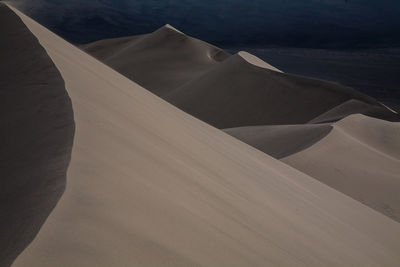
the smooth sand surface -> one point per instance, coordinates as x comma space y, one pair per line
36, 135
257, 61
280, 141
160, 61
359, 157
149, 185
237, 93
172, 28
354, 107
226, 91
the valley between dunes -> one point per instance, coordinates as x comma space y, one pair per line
153, 184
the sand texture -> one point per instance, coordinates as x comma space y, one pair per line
354, 107
36, 135
281, 141
278, 114
160, 61
149, 185
359, 157
225, 90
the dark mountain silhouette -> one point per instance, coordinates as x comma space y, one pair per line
227, 22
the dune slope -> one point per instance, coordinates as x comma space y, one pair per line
149, 185
359, 157
36, 135
159, 61
237, 93
353, 107
280, 141
227, 91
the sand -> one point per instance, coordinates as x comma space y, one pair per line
280, 141
354, 107
149, 185
36, 135
359, 157
227, 91
257, 61
179, 58
237, 93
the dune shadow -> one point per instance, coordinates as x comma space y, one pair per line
36, 136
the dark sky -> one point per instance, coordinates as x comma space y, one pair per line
293, 23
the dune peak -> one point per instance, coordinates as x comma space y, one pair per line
147, 182
172, 28
256, 61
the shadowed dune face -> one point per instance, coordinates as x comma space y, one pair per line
222, 90
237, 93
149, 185
257, 61
256, 103
37, 134
281, 140
359, 157
355, 106
160, 61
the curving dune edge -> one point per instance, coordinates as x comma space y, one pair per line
149, 185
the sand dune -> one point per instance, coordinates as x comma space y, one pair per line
359, 157
236, 93
228, 91
36, 135
256, 61
159, 61
280, 141
149, 185
353, 107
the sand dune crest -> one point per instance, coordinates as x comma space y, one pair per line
149, 185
